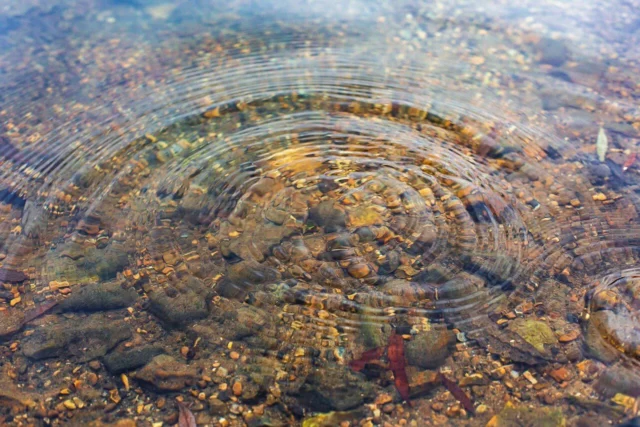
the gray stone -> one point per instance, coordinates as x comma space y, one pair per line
98, 297
217, 406
106, 263
84, 339
164, 373
553, 52
429, 349
335, 388
122, 361
10, 322
328, 216
186, 303
246, 321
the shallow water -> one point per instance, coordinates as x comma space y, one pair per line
286, 213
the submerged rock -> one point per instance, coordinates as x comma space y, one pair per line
105, 263
428, 350
335, 388
597, 347
164, 373
328, 216
246, 321
619, 379
84, 339
526, 416
12, 276
553, 52
98, 297
180, 305
10, 322
536, 333
122, 361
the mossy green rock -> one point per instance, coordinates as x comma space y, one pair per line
536, 333
523, 416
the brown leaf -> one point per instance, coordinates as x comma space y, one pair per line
397, 364
458, 393
185, 418
39, 311
372, 355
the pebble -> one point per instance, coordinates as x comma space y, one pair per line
560, 374
237, 388
383, 398
69, 404
359, 270
473, 379
569, 336
234, 355
530, 377
92, 378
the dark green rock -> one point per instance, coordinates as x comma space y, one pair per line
530, 417
537, 333
123, 361
328, 216
181, 304
83, 338
98, 297
429, 349
335, 388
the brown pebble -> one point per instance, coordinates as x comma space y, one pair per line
95, 365
560, 374
161, 402
92, 378
387, 408
234, 355
383, 398
437, 406
570, 336
359, 270
237, 388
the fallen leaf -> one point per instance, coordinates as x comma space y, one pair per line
372, 355
397, 364
602, 145
458, 393
38, 311
185, 417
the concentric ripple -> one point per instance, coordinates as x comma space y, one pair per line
315, 197
614, 312
371, 211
